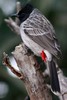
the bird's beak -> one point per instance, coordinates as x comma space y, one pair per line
14, 15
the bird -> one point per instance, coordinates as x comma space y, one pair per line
39, 36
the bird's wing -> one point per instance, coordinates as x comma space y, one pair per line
40, 30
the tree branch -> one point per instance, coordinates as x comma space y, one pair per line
6, 62
34, 80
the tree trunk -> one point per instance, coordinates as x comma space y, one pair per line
33, 78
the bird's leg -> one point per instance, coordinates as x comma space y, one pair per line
27, 50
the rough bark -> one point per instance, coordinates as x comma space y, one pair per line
33, 78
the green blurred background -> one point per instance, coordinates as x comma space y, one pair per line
11, 88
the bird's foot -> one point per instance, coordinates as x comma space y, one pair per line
27, 50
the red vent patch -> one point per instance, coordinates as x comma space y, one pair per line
43, 56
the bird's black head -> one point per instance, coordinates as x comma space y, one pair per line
24, 13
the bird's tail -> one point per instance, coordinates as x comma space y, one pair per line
51, 65
53, 77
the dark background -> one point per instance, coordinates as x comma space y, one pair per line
12, 88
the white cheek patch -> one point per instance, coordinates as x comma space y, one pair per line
49, 56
